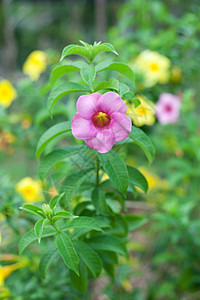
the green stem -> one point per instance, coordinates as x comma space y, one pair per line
54, 226
97, 172
91, 86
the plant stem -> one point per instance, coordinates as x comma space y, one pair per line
97, 173
54, 226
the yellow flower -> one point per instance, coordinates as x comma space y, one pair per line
143, 114
31, 190
154, 181
6, 270
7, 93
35, 64
104, 177
176, 74
126, 284
153, 66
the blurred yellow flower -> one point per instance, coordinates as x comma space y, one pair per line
35, 64
31, 190
176, 74
153, 66
143, 114
6, 270
154, 181
126, 284
7, 93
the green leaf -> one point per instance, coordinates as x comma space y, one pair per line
121, 68
109, 257
61, 89
119, 226
73, 182
50, 134
59, 71
38, 229
111, 84
86, 45
80, 283
33, 209
30, 237
135, 101
88, 75
62, 215
75, 49
80, 207
142, 140
46, 260
67, 251
135, 221
123, 88
107, 243
54, 201
136, 178
103, 222
90, 258
103, 65
82, 222
56, 156
43, 114
110, 269
128, 96
99, 48
99, 201
116, 169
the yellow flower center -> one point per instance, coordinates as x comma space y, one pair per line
101, 120
29, 192
142, 111
4, 92
154, 67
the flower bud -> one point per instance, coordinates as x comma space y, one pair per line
48, 211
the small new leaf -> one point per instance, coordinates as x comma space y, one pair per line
62, 215
38, 229
54, 201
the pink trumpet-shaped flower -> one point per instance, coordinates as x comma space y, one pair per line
101, 121
168, 108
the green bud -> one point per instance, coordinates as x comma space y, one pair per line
48, 211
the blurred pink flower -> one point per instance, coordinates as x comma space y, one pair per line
101, 121
167, 108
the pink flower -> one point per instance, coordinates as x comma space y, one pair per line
101, 121
167, 108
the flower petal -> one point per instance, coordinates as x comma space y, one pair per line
120, 125
111, 102
103, 142
87, 105
167, 108
82, 128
